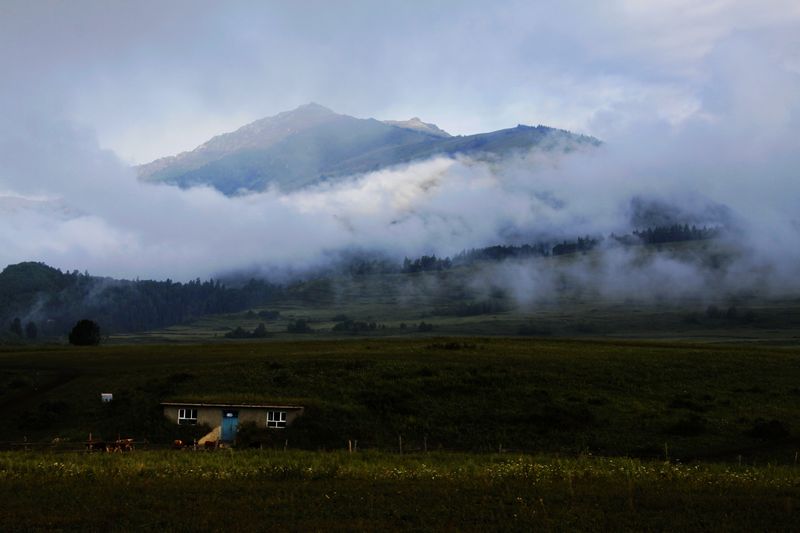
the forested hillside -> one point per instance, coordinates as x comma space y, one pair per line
655, 235
38, 301
53, 300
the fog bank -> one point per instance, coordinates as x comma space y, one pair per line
733, 161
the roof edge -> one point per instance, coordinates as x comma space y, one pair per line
244, 405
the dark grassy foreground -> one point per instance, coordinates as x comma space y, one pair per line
570, 415
315, 491
613, 398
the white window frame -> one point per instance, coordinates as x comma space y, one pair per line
187, 416
276, 419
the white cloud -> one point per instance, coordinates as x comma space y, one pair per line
153, 78
694, 102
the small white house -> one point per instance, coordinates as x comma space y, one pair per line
226, 417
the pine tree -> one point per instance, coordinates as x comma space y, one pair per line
16, 327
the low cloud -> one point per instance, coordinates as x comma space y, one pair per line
735, 160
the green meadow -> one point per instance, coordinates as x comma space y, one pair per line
450, 433
476, 394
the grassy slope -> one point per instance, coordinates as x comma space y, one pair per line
607, 397
441, 298
777, 322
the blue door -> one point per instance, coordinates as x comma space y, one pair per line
230, 423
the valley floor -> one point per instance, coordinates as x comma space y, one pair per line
498, 434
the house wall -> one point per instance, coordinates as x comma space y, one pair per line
259, 416
212, 416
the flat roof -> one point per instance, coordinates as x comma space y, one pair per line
240, 405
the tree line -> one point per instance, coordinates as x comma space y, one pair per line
50, 302
40, 301
654, 235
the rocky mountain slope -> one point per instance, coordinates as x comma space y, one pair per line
312, 144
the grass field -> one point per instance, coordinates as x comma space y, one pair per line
315, 491
775, 322
609, 397
560, 434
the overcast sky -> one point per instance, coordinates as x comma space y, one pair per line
698, 104
152, 78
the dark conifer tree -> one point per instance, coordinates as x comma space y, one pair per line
31, 331
16, 327
85, 333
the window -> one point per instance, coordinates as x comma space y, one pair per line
187, 416
276, 419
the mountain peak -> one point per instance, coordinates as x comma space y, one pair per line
298, 116
312, 143
414, 123
258, 134
311, 109
313, 106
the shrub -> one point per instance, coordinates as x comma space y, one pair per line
85, 333
251, 435
260, 332
354, 326
238, 333
451, 346
299, 326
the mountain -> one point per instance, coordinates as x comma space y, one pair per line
416, 124
312, 144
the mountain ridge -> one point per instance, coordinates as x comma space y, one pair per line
415, 123
312, 144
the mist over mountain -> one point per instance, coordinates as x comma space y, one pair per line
312, 144
53, 301
700, 132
